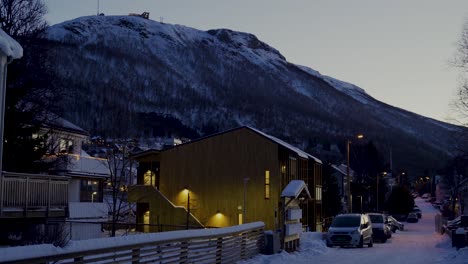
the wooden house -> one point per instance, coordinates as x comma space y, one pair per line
225, 179
66, 195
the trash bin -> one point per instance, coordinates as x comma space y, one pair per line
272, 243
459, 238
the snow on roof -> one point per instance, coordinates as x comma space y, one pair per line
84, 164
9, 47
342, 169
88, 210
54, 121
299, 152
295, 188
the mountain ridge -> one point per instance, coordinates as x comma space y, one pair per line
214, 80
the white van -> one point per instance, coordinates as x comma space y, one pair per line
350, 230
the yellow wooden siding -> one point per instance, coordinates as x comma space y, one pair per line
214, 169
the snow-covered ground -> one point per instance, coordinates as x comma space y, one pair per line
419, 243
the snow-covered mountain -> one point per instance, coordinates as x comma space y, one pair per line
136, 76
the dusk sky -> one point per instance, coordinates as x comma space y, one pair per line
398, 51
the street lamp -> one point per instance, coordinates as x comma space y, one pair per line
348, 180
245, 192
360, 196
378, 178
92, 196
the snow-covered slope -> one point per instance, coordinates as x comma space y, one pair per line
126, 74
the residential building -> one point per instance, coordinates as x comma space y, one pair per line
225, 179
71, 192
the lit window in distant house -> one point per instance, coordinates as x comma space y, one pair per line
318, 193
63, 145
267, 184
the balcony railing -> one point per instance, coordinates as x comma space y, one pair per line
32, 195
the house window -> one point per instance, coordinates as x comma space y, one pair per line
318, 193
267, 184
149, 178
65, 146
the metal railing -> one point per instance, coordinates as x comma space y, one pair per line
32, 191
222, 245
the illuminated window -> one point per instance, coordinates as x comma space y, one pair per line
318, 193
267, 184
149, 178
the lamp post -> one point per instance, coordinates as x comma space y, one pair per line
348, 180
188, 208
360, 196
378, 183
245, 192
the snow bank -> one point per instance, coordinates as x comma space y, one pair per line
18, 253
311, 244
9, 46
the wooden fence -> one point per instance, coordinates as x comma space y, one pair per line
221, 245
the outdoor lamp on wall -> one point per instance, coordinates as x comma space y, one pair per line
92, 196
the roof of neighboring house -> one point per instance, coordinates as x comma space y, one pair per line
278, 141
342, 169
53, 121
299, 152
9, 47
85, 165
296, 188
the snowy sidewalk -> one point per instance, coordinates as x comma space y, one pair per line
419, 243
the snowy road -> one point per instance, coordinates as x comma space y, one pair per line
419, 243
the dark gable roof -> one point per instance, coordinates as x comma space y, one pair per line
275, 140
53, 121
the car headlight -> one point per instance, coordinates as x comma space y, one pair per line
355, 232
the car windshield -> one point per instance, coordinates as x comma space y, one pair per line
346, 221
376, 219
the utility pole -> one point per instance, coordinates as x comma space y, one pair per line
245, 192
348, 180
378, 178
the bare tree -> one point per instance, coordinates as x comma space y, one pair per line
22, 17
120, 167
461, 62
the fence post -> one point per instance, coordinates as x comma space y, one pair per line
243, 253
1, 193
135, 255
26, 199
48, 197
219, 250
183, 252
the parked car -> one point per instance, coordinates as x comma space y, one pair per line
400, 217
426, 195
394, 224
350, 230
451, 225
417, 211
380, 229
412, 218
